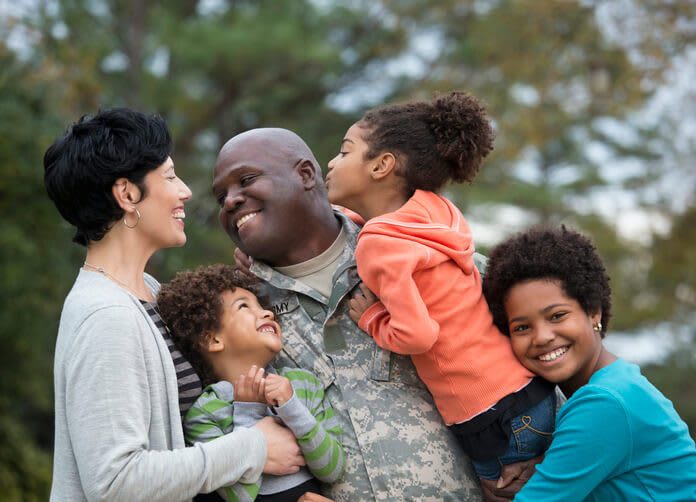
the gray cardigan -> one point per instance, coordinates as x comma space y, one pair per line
118, 433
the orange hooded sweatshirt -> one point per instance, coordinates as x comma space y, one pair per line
419, 261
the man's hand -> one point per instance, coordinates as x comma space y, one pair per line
284, 455
361, 301
278, 390
250, 388
512, 479
243, 263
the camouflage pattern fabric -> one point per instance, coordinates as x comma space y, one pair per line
397, 447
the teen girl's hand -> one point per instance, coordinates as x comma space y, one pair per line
250, 388
278, 390
361, 301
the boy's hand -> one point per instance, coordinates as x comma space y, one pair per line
361, 301
250, 388
278, 390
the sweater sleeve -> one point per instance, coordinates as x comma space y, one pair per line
108, 403
400, 322
209, 418
310, 417
592, 439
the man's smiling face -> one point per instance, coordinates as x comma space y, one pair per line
260, 192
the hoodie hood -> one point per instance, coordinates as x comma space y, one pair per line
431, 220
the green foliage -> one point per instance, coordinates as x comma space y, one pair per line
549, 75
675, 378
26, 470
35, 272
673, 271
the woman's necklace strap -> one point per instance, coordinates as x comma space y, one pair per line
107, 274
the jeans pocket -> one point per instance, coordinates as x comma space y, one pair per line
533, 429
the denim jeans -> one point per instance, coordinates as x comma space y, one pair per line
531, 436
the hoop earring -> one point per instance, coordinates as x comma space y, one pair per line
136, 223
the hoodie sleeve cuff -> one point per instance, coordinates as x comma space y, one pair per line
370, 315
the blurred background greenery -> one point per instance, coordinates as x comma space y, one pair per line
593, 102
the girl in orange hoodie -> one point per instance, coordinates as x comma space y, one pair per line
416, 253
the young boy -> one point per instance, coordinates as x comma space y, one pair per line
218, 324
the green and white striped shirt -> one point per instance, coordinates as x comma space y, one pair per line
307, 414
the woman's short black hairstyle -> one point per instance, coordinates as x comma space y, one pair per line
544, 253
434, 142
81, 166
191, 306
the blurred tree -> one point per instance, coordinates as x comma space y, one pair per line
572, 88
35, 274
212, 69
671, 291
564, 82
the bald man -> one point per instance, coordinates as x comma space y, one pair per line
274, 207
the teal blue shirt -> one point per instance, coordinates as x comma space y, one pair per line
617, 438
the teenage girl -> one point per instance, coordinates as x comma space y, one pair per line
617, 437
416, 253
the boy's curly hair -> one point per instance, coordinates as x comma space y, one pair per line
192, 308
544, 253
437, 141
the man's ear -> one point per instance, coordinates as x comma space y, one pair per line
212, 343
308, 173
384, 165
126, 193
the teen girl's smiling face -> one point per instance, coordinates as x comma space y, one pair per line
349, 177
551, 335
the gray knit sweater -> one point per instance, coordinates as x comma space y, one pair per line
118, 434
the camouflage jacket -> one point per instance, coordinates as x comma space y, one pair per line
397, 447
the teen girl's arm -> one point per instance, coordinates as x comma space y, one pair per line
578, 459
400, 321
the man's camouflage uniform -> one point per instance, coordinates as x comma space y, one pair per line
397, 446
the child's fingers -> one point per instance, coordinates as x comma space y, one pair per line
355, 315
256, 381
240, 384
261, 394
241, 392
370, 297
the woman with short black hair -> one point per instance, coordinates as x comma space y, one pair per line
118, 433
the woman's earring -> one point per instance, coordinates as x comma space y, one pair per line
597, 327
125, 222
